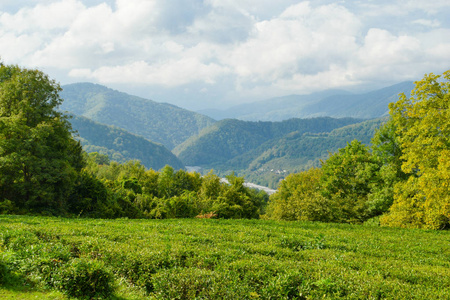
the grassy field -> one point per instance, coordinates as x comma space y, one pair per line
54, 258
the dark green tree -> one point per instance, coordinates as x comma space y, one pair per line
39, 159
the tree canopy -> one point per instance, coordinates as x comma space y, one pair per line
422, 126
39, 160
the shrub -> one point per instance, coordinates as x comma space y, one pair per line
3, 271
86, 279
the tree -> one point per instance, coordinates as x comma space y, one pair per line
422, 125
348, 177
298, 198
39, 159
386, 147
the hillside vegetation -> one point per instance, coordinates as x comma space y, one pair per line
295, 152
121, 145
229, 138
401, 179
218, 259
158, 122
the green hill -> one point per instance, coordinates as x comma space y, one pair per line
265, 152
294, 152
297, 151
121, 145
230, 138
159, 122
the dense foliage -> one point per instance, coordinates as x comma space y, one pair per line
422, 128
121, 145
47, 258
129, 190
39, 160
158, 122
295, 152
404, 176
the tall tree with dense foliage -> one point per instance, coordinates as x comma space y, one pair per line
348, 177
39, 160
422, 125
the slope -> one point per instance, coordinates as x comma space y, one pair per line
229, 138
365, 106
160, 122
121, 145
294, 152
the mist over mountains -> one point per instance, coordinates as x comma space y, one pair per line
330, 103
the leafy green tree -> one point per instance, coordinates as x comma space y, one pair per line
298, 198
39, 160
422, 127
348, 177
100, 159
386, 146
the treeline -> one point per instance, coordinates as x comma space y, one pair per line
112, 190
43, 170
403, 179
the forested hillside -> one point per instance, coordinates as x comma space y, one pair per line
121, 145
230, 138
294, 152
302, 150
158, 122
331, 103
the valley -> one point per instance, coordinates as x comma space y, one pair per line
264, 143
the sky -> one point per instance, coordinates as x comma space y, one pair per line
201, 54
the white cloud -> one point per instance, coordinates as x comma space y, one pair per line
57, 15
169, 74
264, 47
302, 40
427, 23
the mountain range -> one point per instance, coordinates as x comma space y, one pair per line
129, 127
331, 103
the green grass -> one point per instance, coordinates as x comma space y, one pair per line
223, 259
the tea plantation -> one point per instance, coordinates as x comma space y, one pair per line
57, 258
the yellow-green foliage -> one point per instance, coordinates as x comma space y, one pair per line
338, 192
423, 129
299, 198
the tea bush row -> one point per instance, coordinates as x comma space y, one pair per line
225, 259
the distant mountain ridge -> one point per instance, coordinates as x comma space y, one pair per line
121, 145
158, 122
330, 103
